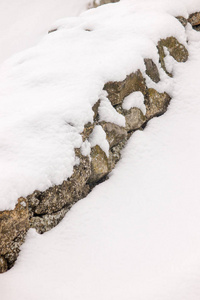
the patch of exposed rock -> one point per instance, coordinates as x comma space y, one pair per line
43, 210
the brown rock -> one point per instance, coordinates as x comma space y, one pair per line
13, 227
183, 20
3, 265
46, 222
134, 119
152, 70
194, 19
56, 197
176, 50
156, 104
99, 164
88, 128
115, 154
118, 90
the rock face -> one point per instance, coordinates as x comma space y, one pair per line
13, 227
44, 210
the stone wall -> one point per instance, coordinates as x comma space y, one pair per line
44, 210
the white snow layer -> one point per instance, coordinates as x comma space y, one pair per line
108, 113
135, 99
136, 236
98, 137
24, 22
47, 92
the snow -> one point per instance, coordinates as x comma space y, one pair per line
135, 236
108, 113
85, 148
23, 23
47, 92
135, 99
98, 137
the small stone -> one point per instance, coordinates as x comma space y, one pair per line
52, 30
176, 50
194, 19
114, 133
182, 20
156, 104
99, 164
88, 128
134, 119
152, 70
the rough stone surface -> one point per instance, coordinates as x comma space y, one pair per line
152, 70
13, 227
134, 119
194, 19
3, 265
176, 50
48, 221
115, 154
118, 90
56, 197
183, 20
114, 133
157, 103
99, 164
88, 128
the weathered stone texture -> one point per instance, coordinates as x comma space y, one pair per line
194, 19
183, 20
114, 133
99, 164
56, 197
118, 90
13, 227
152, 70
157, 103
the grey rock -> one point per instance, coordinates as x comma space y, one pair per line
114, 133
152, 70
